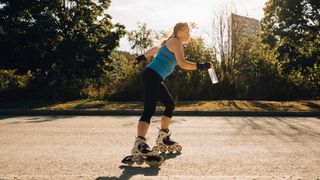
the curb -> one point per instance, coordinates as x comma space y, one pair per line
17, 112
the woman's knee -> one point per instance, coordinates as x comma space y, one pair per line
147, 114
171, 106
169, 109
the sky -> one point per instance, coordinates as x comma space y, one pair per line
164, 14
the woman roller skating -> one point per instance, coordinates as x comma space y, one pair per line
166, 57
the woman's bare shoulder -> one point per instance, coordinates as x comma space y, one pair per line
173, 44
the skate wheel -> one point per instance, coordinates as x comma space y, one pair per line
154, 161
170, 149
155, 148
140, 161
163, 149
128, 160
130, 163
178, 148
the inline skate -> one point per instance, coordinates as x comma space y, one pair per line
164, 143
141, 153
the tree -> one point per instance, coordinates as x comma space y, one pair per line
221, 38
291, 29
59, 41
141, 39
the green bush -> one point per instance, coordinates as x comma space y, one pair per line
12, 83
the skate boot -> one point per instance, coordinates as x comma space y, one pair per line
141, 153
164, 143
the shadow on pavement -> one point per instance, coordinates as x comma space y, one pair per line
41, 119
130, 171
278, 127
47, 119
6, 117
170, 155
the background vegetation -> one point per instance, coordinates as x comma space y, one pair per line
59, 49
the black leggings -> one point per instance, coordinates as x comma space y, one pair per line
154, 90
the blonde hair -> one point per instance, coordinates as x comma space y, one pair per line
178, 27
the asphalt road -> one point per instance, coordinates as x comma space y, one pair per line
91, 147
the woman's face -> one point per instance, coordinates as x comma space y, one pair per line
184, 34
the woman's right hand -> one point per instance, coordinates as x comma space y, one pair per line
203, 66
134, 61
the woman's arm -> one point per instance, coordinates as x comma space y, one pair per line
151, 52
147, 55
177, 48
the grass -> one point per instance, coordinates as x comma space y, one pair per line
221, 105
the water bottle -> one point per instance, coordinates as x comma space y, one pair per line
213, 76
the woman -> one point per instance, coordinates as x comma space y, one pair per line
167, 56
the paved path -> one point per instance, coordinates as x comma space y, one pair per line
91, 147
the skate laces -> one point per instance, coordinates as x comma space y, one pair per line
166, 135
167, 139
143, 146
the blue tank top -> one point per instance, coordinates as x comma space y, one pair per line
164, 62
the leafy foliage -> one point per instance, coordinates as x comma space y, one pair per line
141, 39
291, 29
60, 42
